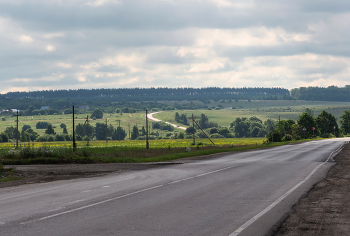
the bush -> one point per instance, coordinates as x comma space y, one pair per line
62, 125
25, 127
42, 125
216, 136
50, 138
3, 119
41, 138
275, 135
287, 137
60, 137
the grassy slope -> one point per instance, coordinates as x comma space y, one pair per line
261, 109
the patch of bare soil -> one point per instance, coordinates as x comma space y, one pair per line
325, 210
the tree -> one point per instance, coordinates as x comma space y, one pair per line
134, 132
98, 114
100, 131
224, 131
50, 130
42, 125
25, 127
11, 132
23, 136
143, 131
326, 121
62, 125
119, 132
306, 121
177, 117
345, 122
189, 130
269, 124
4, 137
65, 130
241, 127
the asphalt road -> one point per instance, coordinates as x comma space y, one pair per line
245, 193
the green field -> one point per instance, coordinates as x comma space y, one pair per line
262, 109
284, 109
56, 120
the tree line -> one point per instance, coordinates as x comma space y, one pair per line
331, 93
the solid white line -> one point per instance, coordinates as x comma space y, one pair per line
252, 220
126, 195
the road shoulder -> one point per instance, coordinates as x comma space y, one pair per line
325, 209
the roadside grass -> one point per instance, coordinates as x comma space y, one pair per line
122, 154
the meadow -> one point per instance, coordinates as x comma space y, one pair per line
119, 151
283, 109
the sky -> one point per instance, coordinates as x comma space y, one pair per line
85, 44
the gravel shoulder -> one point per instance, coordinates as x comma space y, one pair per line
325, 209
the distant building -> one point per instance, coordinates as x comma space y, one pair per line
44, 107
84, 107
14, 110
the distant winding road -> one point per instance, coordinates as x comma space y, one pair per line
246, 193
151, 117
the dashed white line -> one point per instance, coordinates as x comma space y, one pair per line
125, 195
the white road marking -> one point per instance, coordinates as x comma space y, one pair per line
2, 223
106, 186
86, 191
252, 220
80, 200
56, 209
125, 195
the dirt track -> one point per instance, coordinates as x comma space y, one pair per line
325, 210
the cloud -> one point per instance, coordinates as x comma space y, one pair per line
141, 43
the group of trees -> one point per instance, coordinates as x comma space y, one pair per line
182, 119
331, 93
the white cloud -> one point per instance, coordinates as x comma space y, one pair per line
50, 48
98, 3
64, 65
25, 39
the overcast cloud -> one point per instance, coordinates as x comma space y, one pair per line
71, 44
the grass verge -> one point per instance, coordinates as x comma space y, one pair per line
47, 155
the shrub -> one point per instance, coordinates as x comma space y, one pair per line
41, 138
50, 138
216, 136
42, 125
287, 137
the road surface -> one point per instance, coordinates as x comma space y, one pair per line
245, 193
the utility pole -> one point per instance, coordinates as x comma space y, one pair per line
129, 129
106, 131
17, 129
119, 130
279, 122
147, 144
87, 123
74, 143
194, 141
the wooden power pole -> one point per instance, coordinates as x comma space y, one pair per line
147, 143
17, 129
74, 143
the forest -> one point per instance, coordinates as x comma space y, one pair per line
331, 93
